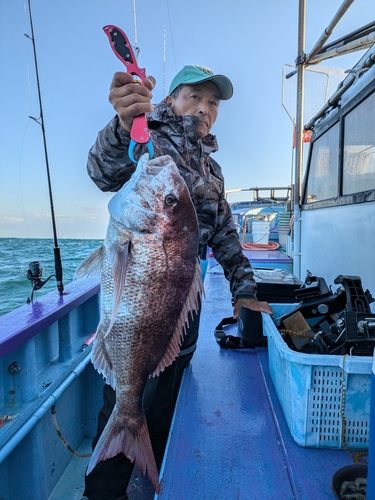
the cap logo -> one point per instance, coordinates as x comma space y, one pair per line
205, 70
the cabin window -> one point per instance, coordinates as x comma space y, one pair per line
359, 148
323, 171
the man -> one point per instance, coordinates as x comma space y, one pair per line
180, 127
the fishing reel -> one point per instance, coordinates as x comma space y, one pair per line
34, 274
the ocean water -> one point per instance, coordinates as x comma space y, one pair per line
17, 253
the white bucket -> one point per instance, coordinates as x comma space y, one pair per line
261, 232
283, 232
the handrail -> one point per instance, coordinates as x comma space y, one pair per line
257, 189
346, 84
328, 31
20, 325
42, 409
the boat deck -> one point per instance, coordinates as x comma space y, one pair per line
266, 259
229, 437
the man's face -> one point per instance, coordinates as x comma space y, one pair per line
201, 100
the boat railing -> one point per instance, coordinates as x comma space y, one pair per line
44, 365
271, 197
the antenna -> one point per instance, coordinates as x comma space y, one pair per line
171, 35
137, 49
164, 58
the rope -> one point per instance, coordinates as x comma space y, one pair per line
272, 245
358, 456
293, 333
64, 441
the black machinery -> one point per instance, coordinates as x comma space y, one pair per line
339, 322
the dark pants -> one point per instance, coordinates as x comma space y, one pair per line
110, 478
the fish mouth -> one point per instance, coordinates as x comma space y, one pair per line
156, 165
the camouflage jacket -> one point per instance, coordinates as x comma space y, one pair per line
109, 167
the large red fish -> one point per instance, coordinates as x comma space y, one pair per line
150, 280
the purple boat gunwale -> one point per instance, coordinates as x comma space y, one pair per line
22, 324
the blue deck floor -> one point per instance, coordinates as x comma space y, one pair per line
229, 438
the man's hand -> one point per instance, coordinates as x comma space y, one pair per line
130, 99
253, 304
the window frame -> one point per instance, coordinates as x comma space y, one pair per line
328, 123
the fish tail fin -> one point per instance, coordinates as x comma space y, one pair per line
135, 445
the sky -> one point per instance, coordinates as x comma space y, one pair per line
247, 40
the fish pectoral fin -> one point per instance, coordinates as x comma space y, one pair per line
192, 302
135, 445
101, 359
119, 258
91, 266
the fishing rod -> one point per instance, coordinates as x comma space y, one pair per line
35, 272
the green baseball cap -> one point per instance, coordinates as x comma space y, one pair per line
191, 74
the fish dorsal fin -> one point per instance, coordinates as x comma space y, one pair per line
91, 266
191, 304
119, 257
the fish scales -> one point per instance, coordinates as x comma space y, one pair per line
150, 282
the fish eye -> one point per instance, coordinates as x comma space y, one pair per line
170, 199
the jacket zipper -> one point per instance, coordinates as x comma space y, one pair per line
203, 168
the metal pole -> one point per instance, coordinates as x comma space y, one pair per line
300, 63
348, 48
348, 82
328, 31
370, 493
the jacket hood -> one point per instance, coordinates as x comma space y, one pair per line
181, 129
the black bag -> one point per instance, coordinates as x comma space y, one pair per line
250, 327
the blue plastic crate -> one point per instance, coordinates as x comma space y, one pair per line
310, 388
